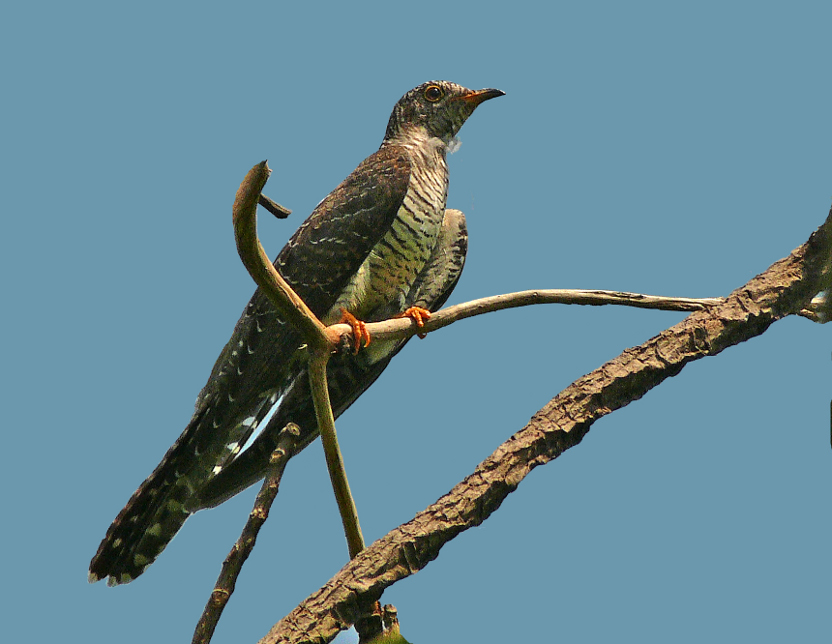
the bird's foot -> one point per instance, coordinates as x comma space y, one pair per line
359, 329
418, 315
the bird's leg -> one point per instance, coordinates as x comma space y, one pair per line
359, 329
418, 315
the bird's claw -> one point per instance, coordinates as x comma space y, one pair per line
418, 315
359, 329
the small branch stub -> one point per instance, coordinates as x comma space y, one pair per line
273, 207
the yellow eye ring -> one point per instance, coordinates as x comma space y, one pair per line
433, 93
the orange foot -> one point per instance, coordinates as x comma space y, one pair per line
418, 315
359, 329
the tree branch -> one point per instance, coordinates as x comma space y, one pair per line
280, 212
233, 563
784, 289
290, 307
332, 452
321, 342
400, 328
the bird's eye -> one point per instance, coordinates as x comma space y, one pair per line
433, 93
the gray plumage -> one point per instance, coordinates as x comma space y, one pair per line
381, 242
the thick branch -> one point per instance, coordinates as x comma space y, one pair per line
784, 289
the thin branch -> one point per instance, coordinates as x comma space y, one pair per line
399, 328
233, 563
332, 452
784, 289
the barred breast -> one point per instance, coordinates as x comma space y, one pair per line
393, 264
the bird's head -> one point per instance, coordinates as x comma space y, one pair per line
437, 107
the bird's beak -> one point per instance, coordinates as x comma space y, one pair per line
479, 96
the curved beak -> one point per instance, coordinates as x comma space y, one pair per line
479, 96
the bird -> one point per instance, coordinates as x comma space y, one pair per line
381, 243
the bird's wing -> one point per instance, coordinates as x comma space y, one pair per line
349, 375
330, 246
258, 363
317, 262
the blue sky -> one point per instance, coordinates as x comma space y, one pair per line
663, 148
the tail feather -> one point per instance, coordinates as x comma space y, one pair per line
165, 500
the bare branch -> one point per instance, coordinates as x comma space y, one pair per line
233, 563
281, 212
784, 289
332, 452
397, 328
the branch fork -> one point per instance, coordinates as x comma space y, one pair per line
786, 288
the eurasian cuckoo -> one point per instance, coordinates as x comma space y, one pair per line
380, 243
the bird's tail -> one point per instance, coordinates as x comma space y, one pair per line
162, 504
151, 518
